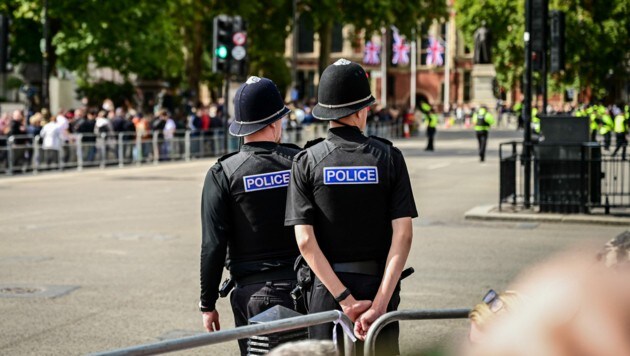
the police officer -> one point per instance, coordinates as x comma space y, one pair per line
242, 211
431, 119
351, 203
605, 127
482, 120
621, 130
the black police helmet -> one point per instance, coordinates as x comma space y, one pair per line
257, 103
344, 89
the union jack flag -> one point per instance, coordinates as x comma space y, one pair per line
400, 49
372, 53
435, 52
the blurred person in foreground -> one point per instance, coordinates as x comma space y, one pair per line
573, 306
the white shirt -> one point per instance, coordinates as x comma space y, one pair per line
51, 136
169, 129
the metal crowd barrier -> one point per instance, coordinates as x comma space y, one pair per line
26, 154
239, 333
369, 348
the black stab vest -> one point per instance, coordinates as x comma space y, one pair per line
258, 199
352, 221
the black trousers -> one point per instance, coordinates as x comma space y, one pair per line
363, 287
621, 143
430, 135
482, 138
252, 299
607, 140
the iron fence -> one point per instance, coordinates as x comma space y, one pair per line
369, 348
242, 332
26, 154
566, 178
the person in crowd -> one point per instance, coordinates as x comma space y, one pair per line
21, 141
620, 127
242, 213
168, 134
51, 142
85, 125
337, 182
34, 124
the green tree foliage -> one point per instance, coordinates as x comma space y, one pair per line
597, 39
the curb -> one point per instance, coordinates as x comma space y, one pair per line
491, 213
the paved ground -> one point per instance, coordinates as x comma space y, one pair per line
129, 240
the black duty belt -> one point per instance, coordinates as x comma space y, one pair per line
371, 268
267, 276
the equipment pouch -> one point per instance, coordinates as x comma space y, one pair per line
226, 287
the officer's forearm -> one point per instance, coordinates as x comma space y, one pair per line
401, 244
309, 248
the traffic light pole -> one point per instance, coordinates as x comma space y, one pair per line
544, 68
45, 55
527, 106
226, 114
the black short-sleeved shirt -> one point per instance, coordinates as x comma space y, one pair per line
349, 188
242, 211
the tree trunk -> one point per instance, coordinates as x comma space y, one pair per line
325, 44
195, 60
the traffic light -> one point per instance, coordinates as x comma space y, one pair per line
4, 43
539, 25
221, 43
238, 53
557, 41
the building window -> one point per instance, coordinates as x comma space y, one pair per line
337, 38
305, 34
467, 86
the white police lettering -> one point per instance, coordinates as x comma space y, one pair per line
342, 62
350, 175
253, 79
266, 181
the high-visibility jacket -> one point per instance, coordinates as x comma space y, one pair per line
535, 121
621, 124
482, 120
607, 124
431, 119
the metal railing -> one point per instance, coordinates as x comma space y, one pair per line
239, 333
566, 178
369, 348
26, 154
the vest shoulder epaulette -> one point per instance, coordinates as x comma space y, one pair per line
382, 140
288, 150
319, 149
290, 145
313, 142
232, 161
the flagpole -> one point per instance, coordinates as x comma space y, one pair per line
447, 71
383, 67
412, 96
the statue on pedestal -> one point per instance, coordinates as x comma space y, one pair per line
483, 45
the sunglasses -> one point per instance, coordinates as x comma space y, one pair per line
492, 300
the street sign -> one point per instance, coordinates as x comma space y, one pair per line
239, 38
238, 52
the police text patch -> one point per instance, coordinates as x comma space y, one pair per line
350, 175
267, 181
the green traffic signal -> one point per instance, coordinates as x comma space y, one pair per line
221, 52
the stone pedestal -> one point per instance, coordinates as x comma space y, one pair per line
482, 77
